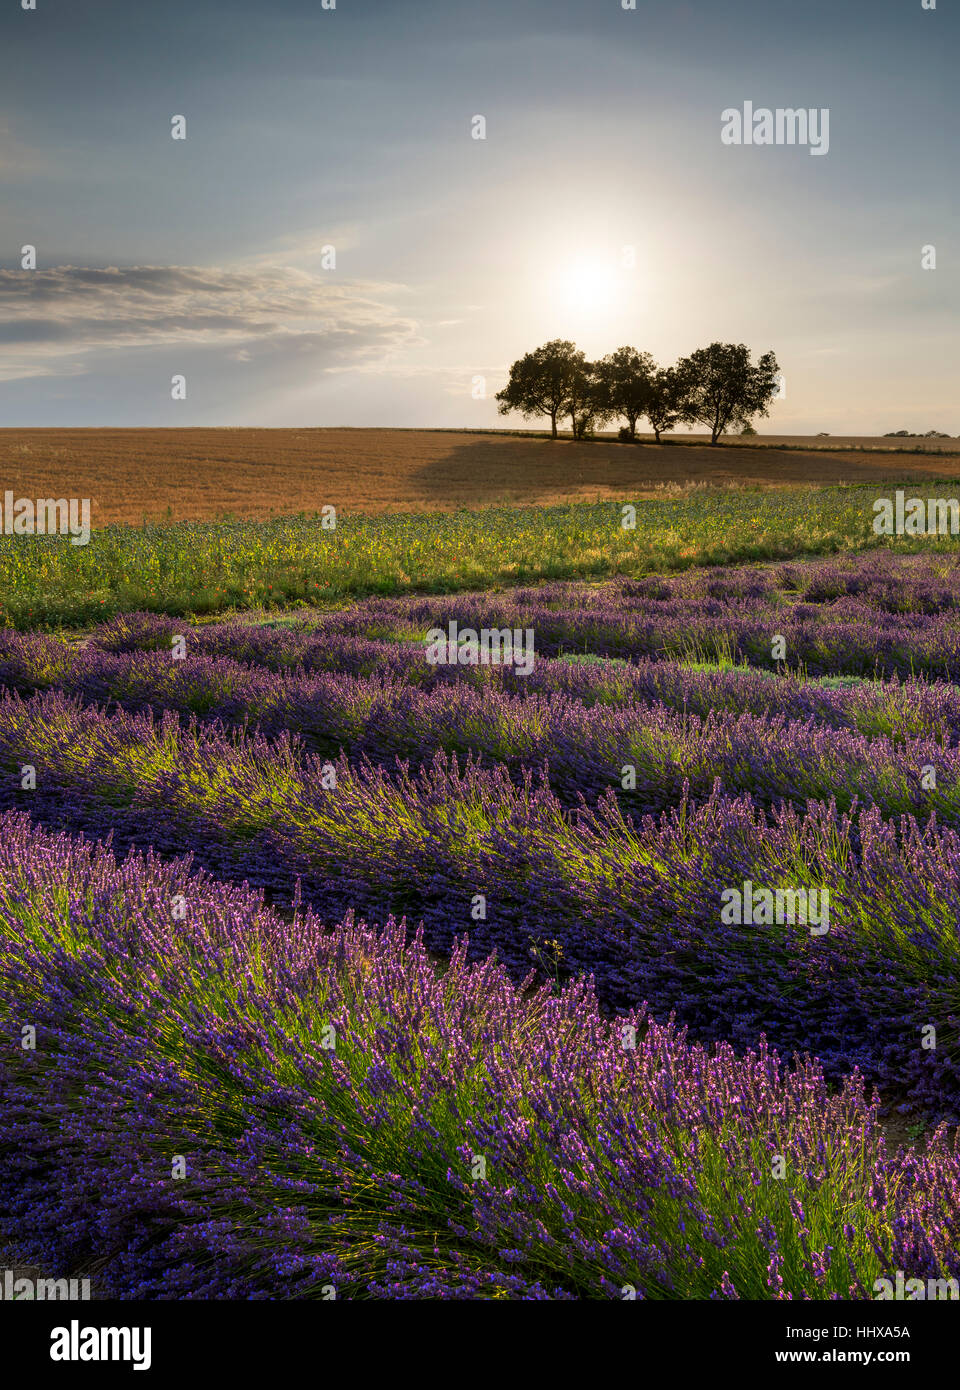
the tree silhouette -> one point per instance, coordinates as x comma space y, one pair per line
665, 403
624, 384
548, 381
720, 386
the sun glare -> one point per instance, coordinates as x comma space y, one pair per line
584, 286
587, 286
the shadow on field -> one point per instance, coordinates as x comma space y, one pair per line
483, 471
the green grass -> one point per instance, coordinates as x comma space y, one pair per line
589, 659
724, 664
215, 567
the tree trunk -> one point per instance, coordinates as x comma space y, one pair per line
656, 434
553, 422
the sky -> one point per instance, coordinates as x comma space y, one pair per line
602, 205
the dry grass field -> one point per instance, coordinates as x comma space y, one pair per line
199, 474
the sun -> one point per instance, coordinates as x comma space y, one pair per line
586, 286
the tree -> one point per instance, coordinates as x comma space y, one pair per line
665, 404
547, 381
721, 387
586, 403
624, 385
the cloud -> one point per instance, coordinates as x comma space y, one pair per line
252, 312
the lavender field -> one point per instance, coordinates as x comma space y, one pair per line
331, 970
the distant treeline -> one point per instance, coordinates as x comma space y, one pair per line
717, 386
908, 434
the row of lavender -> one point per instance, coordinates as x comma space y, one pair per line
884, 580
326, 687
827, 629
220, 1103
638, 903
651, 755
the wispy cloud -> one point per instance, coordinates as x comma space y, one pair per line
252, 311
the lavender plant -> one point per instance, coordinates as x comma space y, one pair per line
329, 1094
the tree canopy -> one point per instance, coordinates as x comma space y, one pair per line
720, 386
548, 381
625, 384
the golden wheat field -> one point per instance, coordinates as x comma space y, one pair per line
196, 474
